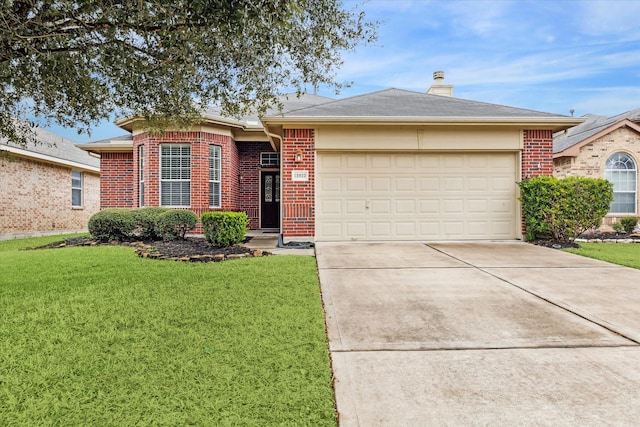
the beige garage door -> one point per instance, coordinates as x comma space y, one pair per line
416, 196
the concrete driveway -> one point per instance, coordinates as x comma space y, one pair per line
493, 333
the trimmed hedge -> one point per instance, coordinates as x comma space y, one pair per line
146, 220
174, 224
626, 224
113, 224
224, 228
563, 209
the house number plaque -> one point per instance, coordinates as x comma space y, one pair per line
299, 175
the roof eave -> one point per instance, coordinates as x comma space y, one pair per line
574, 150
554, 123
109, 147
127, 123
50, 159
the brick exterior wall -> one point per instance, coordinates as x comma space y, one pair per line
298, 206
116, 183
537, 153
199, 142
592, 158
36, 198
537, 158
250, 172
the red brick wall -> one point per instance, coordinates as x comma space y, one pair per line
298, 207
35, 198
537, 153
250, 171
116, 180
199, 142
537, 157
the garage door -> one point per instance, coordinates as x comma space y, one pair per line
416, 196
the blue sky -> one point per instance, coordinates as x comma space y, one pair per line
546, 55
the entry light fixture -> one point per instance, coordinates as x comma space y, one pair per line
298, 157
240, 178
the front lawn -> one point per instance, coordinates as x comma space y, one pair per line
96, 336
627, 254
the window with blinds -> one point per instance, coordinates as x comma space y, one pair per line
215, 170
175, 175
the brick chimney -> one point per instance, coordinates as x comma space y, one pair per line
437, 88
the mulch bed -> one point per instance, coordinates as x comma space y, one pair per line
192, 249
555, 244
605, 237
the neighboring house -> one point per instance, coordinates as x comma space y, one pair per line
604, 147
50, 187
389, 165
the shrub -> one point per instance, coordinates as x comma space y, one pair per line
174, 224
563, 208
618, 227
225, 228
628, 224
112, 224
146, 220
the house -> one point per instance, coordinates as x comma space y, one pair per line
604, 147
51, 187
388, 165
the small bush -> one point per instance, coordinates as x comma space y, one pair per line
112, 224
618, 227
174, 224
146, 219
225, 228
628, 224
563, 208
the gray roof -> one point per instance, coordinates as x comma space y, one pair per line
122, 138
404, 103
590, 127
56, 148
290, 102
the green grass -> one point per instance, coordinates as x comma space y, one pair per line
627, 254
97, 336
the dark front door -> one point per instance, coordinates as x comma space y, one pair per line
270, 203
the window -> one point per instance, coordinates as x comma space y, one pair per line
76, 189
141, 175
269, 159
621, 171
175, 175
214, 176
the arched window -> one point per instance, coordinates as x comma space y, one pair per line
622, 172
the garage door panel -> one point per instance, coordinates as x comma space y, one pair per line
478, 183
381, 230
355, 162
380, 184
380, 207
416, 196
355, 184
478, 206
407, 162
429, 206
406, 206
452, 207
356, 229
330, 207
405, 229
381, 163
357, 206
429, 184
453, 183
405, 184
